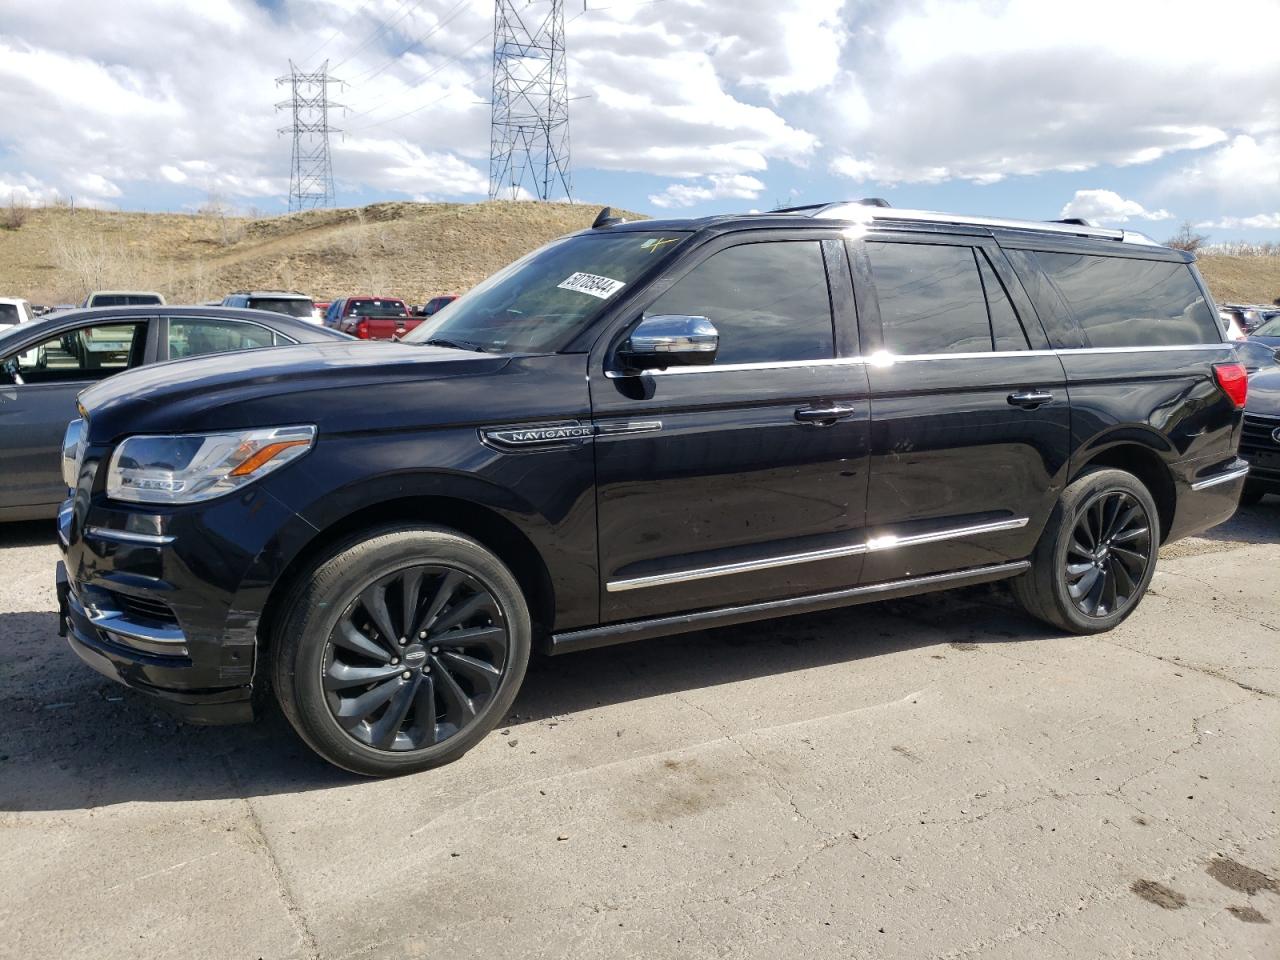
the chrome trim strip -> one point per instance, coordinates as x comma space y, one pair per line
875, 544
862, 214
128, 536
627, 427
885, 359
1233, 474
627, 631
148, 639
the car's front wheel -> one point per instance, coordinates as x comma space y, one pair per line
1097, 554
400, 651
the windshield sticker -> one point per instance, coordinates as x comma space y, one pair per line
589, 283
657, 243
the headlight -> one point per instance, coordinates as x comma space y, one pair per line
72, 448
201, 466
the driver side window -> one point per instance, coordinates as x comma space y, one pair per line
768, 301
85, 353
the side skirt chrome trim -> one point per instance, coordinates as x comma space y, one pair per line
1235, 473
574, 640
875, 544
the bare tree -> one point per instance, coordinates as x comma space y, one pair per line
15, 213
1186, 238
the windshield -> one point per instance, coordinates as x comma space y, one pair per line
1269, 329
537, 302
289, 306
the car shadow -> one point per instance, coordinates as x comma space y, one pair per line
76, 740
1259, 523
28, 533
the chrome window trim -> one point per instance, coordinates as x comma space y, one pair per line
885, 359
1235, 473
873, 545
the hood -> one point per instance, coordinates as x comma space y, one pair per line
308, 383
1264, 393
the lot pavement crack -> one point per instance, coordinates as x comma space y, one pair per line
259, 837
1207, 671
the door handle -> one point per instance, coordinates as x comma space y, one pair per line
826, 415
1030, 398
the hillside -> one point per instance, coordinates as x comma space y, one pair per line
412, 250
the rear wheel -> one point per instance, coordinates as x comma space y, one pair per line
402, 650
1096, 556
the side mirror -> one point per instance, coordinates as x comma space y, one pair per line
670, 341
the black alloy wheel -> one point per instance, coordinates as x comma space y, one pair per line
415, 657
1108, 554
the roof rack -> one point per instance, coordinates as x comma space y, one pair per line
875, 209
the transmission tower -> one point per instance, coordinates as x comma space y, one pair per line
311, 174
529, 135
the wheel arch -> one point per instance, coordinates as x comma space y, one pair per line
1140, 457
481, 523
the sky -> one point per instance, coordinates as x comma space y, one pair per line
1141, 113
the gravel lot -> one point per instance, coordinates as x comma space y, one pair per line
939, 777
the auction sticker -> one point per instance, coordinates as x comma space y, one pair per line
589, 283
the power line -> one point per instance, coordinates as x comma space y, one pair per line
382, 28
443, 22
420, 81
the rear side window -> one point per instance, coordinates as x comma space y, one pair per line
9, 313
1006, 329
768, 301
1120, 302
931, 298
198, 336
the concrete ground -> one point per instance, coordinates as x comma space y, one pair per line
939, 777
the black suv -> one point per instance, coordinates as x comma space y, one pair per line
642, 429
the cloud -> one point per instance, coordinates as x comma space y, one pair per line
737, 186
1259, 221
1246, 170
981, 91
1107, 206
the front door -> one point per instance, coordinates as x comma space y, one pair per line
970, 416
725, 484
38, 389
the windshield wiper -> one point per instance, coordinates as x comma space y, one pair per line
456, 344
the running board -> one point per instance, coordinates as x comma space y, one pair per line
572, 641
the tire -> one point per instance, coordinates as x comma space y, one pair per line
1063, 580
381, 705
1251, 495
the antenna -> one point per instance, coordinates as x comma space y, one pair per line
311, 172
529, 134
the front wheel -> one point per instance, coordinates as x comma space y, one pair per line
1097, 554
401, 650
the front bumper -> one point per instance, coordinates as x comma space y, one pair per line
1260, 446
118, 656
167, 601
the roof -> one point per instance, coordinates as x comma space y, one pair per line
277, 294
874, 211
291, 326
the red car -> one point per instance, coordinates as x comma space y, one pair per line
371, 318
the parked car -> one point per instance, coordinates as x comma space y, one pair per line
45, 363
642, 429
297, 305
1232, 325
14, 311
122, 298
371, 318
1260, 437
1249, 317
434, 306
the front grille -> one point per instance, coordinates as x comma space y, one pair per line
144, 608
1257, 432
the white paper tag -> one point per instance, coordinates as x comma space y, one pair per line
589, 283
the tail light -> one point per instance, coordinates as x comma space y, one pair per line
362, 330
1234, 382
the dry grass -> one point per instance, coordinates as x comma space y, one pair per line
412, 250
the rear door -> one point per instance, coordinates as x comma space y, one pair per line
970, 432
38, 388
712, 487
